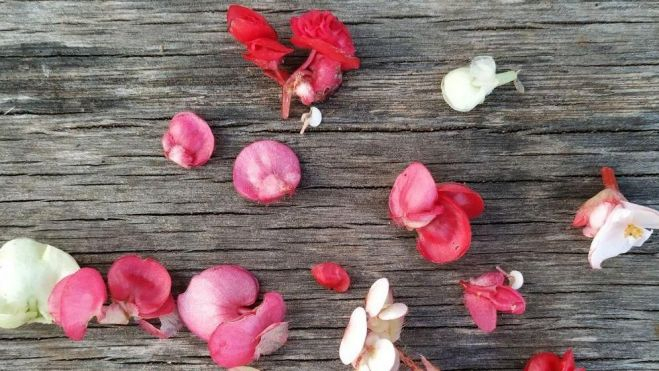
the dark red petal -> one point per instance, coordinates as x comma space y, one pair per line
468, 199
331, 276
246, 25
508, 300
447, 237
142, 282
413, 198
235, 343
217, 295
545, 361
77, 299
267, 49
348, 62
482, 311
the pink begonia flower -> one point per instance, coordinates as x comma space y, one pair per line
331, 276
216, 306
487, 294
189, 141
368, 340
76, 299
439, 213
615, 224
547, 361
266, 171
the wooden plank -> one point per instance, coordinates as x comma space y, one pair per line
89, 87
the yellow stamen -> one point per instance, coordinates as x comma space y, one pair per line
633, 231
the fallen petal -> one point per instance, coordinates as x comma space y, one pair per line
217, 295
265, 171
272, 338
246, 25
413, 197
170, 324
354, 337
394, 311
189, 141
77, 299
610, 240
466, 198
377, 297
382, 356
331, 276
482, 311
448, 237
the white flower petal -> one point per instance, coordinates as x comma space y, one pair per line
354, 337
394, 311
610, 241
637, 242
386, 329
599, 214
28, 272
483, 71
643, 216
377, 297
382, 356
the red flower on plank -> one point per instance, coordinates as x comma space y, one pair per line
547, 361
331, 276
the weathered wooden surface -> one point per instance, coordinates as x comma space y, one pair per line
89, 87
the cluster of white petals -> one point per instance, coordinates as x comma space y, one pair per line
368, 341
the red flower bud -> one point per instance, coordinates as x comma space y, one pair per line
331, 276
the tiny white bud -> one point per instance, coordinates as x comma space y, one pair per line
515, 279
312, 118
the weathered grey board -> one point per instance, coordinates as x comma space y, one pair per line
89, 86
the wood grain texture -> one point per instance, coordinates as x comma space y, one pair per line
88, 88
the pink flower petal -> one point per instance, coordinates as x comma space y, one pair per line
216, 295
494, 278
170, 324
76, 299
448, 237
466, 198
331, 276
508, 300
272, 338
265, 171
189, 141
482, 311
235, 343
142, 282
246, 25
413, 198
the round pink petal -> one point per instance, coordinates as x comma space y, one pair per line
265, 171
482, 311
413, 198
216, 295
234, 343
189, 141
76, 299
142, 282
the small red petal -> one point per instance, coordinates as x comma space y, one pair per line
142, 282
331, 276
235, 343
468, 199
482, 311
246, 25
508, 300
217, 295
413, 197
189, 141
76, 299
348, 62
547, 361
448, 237
265, 171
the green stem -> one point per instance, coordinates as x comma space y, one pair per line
506, 77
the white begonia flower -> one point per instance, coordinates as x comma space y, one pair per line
28, 272
466, 87
368, 340
625, 227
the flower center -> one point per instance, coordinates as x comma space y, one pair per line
633, 231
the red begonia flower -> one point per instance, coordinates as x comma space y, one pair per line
448, 237
266, 171
76, 299
263, 49
331, 276
466, 198
487, 294
246, 25
259, 332
188, 141
547, 361
413, 198
332, 53
142, 289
